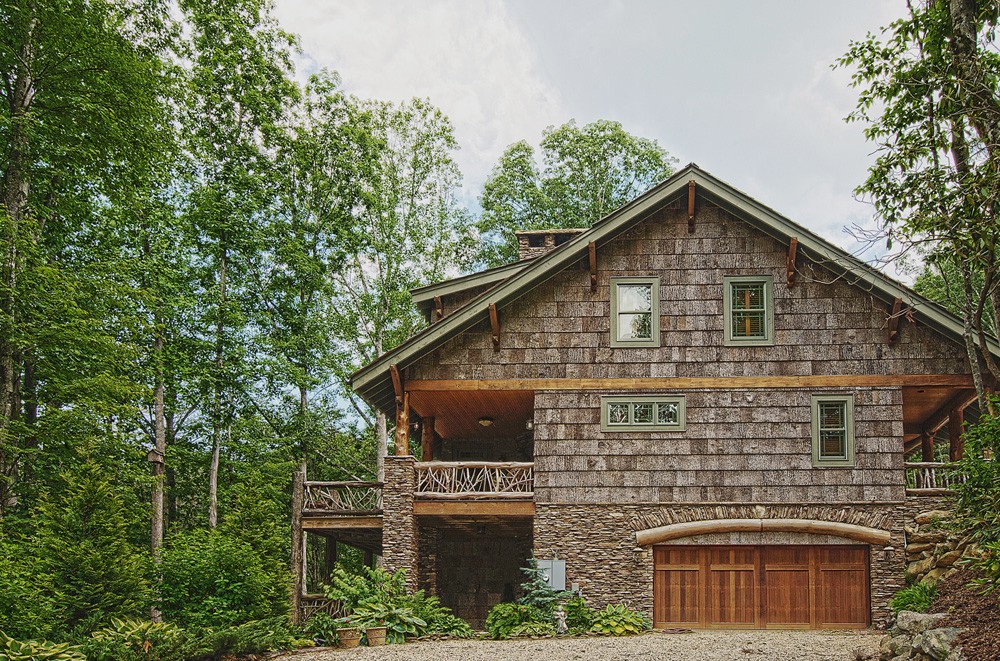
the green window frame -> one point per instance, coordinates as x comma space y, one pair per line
832, 430
748, 310
643, 413
635, 322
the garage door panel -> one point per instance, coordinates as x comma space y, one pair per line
761, 586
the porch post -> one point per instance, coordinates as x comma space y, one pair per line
298, 545
403, 426
427, 439
329, 557
956, 446
927, 447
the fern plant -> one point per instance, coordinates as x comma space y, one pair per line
916, 598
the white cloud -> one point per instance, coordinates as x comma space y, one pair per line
468, 57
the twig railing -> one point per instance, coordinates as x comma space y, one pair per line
475, 479
320, 603
342, 498
931, 477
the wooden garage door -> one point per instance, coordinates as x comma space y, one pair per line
761, 587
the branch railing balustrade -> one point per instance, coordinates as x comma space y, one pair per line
342, 497
931, 477
475, 479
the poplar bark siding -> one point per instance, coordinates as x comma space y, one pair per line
749, 445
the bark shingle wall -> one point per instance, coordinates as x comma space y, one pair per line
751, 446
823, 325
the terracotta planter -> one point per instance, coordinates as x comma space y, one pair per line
349, 637
375, 636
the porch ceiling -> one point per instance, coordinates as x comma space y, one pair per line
926, 408
456, 413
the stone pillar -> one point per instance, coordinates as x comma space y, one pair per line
399, 525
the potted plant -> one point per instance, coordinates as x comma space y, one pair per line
348, 632
375, 634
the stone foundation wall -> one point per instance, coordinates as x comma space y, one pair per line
598, 543
400, 540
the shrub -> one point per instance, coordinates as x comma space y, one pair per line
579, 617
27, 604
321, 627
439, 618
213, 580
537, 591
38, 650
371, 586
136, 640
619, 620
917, 598
504, 618
533, 629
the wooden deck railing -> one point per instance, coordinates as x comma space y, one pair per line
930, 477
342, 498
475, 479
320, 603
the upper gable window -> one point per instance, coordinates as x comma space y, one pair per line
635, 312
833, 430
748, 308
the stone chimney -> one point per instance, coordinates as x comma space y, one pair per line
535, 243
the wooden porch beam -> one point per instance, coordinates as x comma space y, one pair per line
893, 321
495, 326
793, 249
942, 416
689, 383
592, 250
691, 198
397, 383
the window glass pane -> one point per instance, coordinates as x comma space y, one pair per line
748, 295
831, 415
748, 324
643, 414
635, 298
617, 414
666, 413
833, 444
635, 326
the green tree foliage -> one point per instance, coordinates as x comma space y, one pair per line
586, 173
930, 96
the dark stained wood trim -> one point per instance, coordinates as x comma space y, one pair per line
684, 383
473, 508
893, 322
793, 249
692, 186
495, 326
438, 307
940, 418
427, 439
592, 250
397, 383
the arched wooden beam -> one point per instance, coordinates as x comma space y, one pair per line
692, 528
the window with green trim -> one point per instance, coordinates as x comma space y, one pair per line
635, 312
748, 310
643, 413
833, 430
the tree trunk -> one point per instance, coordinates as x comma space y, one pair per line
217, 423
382, 439
304, 428
160, 450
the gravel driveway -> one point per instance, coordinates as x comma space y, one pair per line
707, 645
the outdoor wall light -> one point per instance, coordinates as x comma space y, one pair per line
888, 552
485, 422
529, 424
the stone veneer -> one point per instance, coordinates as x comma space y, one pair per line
400, 539
597, 541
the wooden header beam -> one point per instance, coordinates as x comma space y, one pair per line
691, 528
793, 249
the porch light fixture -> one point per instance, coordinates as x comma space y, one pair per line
888, 552
529, 424
485, 422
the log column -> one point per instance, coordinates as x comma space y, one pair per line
427, 439
927, 447
956, 447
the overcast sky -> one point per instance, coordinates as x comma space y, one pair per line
742, 88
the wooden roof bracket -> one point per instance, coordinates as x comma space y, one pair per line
495, 326
592, 249
691, 195
397, 384
793, 250
893, 323
438, 307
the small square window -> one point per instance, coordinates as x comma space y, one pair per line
833, 430
642, 413
635, 312
748, 310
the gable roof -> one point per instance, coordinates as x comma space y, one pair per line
374, 383
423, 297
